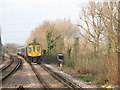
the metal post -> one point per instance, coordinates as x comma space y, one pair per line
61, 64
0, 48
7, 50
0, 60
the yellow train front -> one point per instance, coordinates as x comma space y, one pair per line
34, 53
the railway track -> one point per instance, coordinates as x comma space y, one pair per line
62, 79
39, 77
65, 82
11, 67
6, 66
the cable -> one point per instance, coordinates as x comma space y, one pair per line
15, 32
18, 23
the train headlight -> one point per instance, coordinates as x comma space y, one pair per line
30, 54
38, 54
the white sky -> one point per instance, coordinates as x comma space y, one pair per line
19, 17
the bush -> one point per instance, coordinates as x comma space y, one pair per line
68, 63
44, 52
89, 78
50, 59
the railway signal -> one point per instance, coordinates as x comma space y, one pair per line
60, 58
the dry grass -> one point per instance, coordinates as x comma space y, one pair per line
112, 68
103, 67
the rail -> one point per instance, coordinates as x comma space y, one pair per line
5, 67
13, 69
39, 78
62, 79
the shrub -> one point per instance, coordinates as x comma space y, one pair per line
68, 63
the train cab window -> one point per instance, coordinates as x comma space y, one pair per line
33, 48
38, 48
30, 49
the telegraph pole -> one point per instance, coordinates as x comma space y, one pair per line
0, 48
0, 58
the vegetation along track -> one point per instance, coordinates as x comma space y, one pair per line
13, 66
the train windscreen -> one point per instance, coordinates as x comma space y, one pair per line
33, 48
38, 48
30, 49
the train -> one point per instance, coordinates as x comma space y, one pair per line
32, 52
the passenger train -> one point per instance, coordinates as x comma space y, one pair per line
32, 52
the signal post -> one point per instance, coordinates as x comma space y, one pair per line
60, 58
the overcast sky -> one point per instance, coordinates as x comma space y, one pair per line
19, 17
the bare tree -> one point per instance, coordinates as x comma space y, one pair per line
92, 26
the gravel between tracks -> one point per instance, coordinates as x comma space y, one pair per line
24, 76
79, 82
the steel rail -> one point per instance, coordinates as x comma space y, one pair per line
5, 67
56, 77
39, 78
67, 82
14, 69
20, 88
37, 75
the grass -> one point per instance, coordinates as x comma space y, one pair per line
94, 80
106, 88
89, 78
68, 63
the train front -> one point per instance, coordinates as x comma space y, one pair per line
34, 53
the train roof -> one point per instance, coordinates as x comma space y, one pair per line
33, 44
20, 47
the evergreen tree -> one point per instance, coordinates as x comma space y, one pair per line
75, 48
34, 40
51, 42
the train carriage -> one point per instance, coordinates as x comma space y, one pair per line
33, 52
